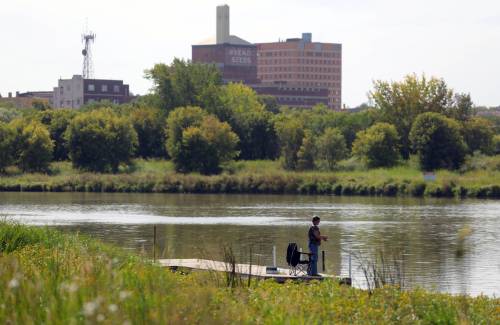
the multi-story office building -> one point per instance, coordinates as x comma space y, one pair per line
76, 92
303, 63
298, 72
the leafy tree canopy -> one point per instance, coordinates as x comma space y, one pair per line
438, 142
378, 145
184, 83
401, 102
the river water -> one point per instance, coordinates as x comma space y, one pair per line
424, 232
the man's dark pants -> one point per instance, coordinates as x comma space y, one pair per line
313, 268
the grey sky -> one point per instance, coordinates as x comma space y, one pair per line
457, 40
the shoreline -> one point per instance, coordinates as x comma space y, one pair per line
259, 177
279, 184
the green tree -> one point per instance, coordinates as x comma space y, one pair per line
9, 114
35, 152
100, 140
463, 108
248, 118
183, 83
320, 117
290, 134
331, 147
7, 135
307, 152
378, 145
40, 105
205, 147
401, 102
496, 144
478, 135
150, 127
438, 142
270, 103
57, 122
178, 120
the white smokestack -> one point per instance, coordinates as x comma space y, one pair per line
222, 24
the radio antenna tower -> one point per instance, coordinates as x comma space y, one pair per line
88, 67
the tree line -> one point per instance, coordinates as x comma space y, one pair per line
199, 123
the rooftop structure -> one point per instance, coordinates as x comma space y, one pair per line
77, 91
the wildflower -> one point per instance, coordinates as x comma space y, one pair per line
89, 308
125, 294
71, 287
112, 308
14, 283
100, 318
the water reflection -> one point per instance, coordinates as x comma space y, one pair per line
200, 225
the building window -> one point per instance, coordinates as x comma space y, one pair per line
104, 88
91, 87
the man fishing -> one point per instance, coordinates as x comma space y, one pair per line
315, 239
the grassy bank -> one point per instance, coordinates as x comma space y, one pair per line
481, 180
52, 278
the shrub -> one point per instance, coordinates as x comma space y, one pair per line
6, 149
478, 135
8, 114
35, 151
437, 141
290, 134
57, 122
307, 152
179, 120
496, 144
150, 127
378, 145
241, 108
205, 147
99, 140
331, 147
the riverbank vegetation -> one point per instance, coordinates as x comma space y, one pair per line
477, 179
212, 132
65, 279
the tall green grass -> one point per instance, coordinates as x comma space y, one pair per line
47, 277
480, 178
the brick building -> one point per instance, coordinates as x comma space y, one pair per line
303, 63
235, 57
236, 62
298, 72
293, 95
27, 99
76, 92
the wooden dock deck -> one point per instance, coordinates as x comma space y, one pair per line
256, 271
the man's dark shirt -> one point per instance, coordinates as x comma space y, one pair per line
312, 238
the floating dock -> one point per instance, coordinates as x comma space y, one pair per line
246, 270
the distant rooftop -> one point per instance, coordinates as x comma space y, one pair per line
232, 39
